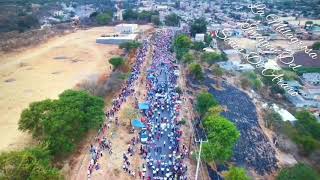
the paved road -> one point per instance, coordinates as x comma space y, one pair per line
164, 160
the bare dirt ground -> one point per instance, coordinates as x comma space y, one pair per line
44, 71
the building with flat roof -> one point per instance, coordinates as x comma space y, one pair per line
116, 39
126, 28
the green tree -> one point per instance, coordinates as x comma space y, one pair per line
207, 39
205, 101
182, 42
211, 57
60, 124
116, 62
172, 20
196, 71
298, 172
28, 164
316, 46
308, 124
188, 58
222, 137
130, 15
273, 120
198, 46
236, 173
155, 20
103, 18
198, 26
130, 46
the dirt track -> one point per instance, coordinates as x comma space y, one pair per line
44, 72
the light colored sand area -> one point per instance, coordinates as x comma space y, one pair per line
44, 72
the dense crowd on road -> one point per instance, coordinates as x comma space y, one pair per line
163, 152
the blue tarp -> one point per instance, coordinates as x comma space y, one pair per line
143, 106
151, 77
137, 123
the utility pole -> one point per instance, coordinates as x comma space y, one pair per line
199, 157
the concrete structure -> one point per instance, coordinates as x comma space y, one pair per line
285, 115
116, 40
199, 37
126, 28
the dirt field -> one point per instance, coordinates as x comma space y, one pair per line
44, 72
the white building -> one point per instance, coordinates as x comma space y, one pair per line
116, 39
126, 28
199, 37
285, 115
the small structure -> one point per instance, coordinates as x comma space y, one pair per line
199, 37
126, 28
143, 106
137, 123
285, 115
116, 39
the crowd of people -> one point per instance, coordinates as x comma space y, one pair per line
162, 153
253, 148
101, 143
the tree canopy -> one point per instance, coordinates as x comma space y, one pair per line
222, 136
130, 46
198, 46
172, 20
116, 62
196, 71
298, 172
182, 41
188, 58
236, 173
198, 26
205, 101
60, 124
211, 57
28, 164
104, 18
155, 19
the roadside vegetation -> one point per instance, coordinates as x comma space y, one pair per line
298, 172
222, 134
52, 123
305, 132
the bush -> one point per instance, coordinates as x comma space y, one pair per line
130, 46
198, 46
236, 173
298, 172
30, 164
188, 58
205, 100
116, 62
211, 57
196, 71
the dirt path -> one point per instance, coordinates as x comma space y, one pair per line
44, 71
